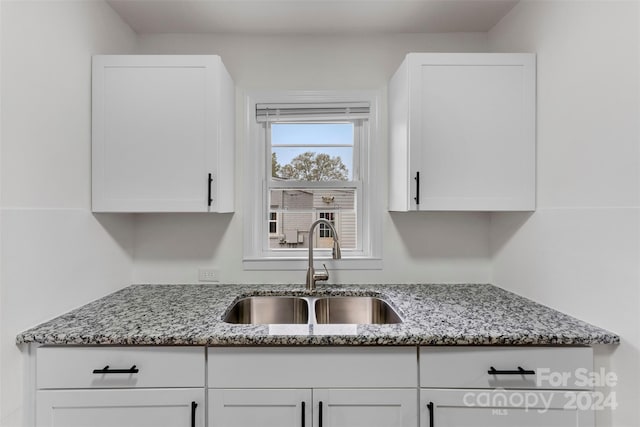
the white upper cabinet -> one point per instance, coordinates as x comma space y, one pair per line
163, 134
462, 132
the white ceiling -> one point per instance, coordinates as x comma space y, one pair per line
311, 16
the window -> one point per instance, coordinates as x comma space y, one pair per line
309, 157
325, 231
273, 223
314, 167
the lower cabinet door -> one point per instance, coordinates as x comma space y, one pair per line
504, 408
365, 407
120, 408
260, 408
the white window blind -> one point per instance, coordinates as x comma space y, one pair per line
268, 113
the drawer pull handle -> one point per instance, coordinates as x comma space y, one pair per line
303, 414
520, 371
430, 408
106, 370
194, 405
320, 414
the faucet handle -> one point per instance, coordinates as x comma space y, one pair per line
321, 276
325, 269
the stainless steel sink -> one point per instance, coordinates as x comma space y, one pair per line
309, 310
360, 310
270, 309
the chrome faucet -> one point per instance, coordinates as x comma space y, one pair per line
312, 276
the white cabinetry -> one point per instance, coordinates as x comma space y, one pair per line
317, 407
462, 132
323, 386
272, 407
320, 387
504, 387
163, 134
120, 386
500, 408
120, 408
365, 407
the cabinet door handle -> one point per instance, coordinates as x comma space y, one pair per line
430, 408
320, 414
519, 371
194, 405
303, 413
209, 199
417, 198
107, 370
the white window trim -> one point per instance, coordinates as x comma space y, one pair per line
255, 257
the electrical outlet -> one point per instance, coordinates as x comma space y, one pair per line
207, 275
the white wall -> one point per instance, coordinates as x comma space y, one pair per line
580, 251
437, 247
55, 254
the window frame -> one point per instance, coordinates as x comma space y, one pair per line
257, 156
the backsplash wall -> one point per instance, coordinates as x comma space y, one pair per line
56, 255
417, 247
580, 251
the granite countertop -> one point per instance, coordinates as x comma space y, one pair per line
469, 314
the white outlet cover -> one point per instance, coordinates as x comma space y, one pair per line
207, 275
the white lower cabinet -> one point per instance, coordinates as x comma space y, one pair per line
121, 408
120, 386
312, 407
326, 386
502, 408
259, 407
313, 386
505, 387
365, 408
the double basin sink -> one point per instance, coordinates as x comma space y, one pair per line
319, 310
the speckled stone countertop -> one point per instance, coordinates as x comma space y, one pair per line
470, 314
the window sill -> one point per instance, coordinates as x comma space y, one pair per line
301, 263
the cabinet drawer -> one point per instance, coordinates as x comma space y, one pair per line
467, 367
73, 367
307, 367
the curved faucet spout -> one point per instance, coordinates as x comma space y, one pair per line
312, 276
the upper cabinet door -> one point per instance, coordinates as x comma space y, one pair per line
462, 133
163, 134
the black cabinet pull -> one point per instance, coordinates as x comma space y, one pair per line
417, 198
430, 408
303, 411
320, 414
194, 405
106, 370
209, 199
519, 371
